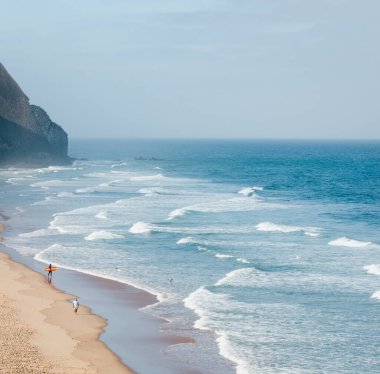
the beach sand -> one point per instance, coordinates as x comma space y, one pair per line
40, 333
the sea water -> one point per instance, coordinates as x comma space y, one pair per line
273, 247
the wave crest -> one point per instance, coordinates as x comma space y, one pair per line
141, 228
177, 213
372, 269
102, 215
249, 191
221, 256
239, 277
376, 295
99, 235
352, 243
187, 240
272, 227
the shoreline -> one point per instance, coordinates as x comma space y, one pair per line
143, 331
40, 331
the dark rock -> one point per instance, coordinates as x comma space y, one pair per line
28, 137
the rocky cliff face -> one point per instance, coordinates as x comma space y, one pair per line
27, 135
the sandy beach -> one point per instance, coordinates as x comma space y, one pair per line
40, 331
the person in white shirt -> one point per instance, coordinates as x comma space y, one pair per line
75, 305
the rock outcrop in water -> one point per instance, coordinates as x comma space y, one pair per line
27, 134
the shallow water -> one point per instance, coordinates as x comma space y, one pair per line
274, 247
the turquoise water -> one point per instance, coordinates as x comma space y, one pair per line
273, 247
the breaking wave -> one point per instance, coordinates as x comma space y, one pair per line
187, 240
351, 243
372, 269
141, 228
242, 261
239, 277
98, 235
235, 204
102, 215
209, 306
249, 191
218, 255
177, 213
272, 227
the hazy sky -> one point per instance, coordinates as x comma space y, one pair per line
199, 68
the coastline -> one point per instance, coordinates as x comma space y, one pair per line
101, 346
40, 331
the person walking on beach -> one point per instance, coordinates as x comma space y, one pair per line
76, 305
50, 273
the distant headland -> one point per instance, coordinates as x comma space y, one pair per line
28, 137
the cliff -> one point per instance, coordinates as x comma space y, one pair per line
27, 134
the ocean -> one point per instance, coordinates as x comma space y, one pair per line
273, 247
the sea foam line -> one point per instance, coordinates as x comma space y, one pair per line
199, 302
234, 204
40, 257
272, 227
352, 243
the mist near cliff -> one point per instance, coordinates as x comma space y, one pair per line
214, 69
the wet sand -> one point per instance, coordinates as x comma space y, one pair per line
40, 311
40, 331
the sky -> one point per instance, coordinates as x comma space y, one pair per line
284, 69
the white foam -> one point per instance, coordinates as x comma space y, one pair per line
242, 261
151, 191
226, 350
98, 235
85, 190
351, 243
16, 180
59, 224
141, 228
177, 213
47, 184
186, 240
198, 301
235, 204
46, 200
218, 255
313, 234
208, 306
37, 233
119, 164
42, 257
53, 247
272, 227
55, 169
373, 269
376, 295
102, 215
110, 183
202, 249
65, 194
247, 191
239, 277
148, 177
